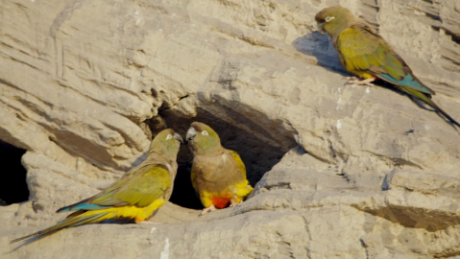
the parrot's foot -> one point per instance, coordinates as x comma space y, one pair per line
355, 80
232, 205
234, 202
147, 223
206, 210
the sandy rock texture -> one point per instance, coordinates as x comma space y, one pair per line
341, 171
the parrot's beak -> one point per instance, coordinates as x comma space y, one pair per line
191, 133
178, 137
320, 26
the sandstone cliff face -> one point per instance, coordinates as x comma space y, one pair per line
341, 171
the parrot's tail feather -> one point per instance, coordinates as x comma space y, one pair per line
409, 81
427, 100
76, 213
81, 205
26, 237
73, 206
69, 222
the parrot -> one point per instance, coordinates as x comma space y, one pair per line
367, 55
135, 196
218, 174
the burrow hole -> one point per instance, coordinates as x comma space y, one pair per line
258, 156
13, 184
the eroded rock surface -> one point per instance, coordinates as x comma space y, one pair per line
341, 171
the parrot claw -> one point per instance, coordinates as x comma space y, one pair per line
355, 80
206, 210
234, 203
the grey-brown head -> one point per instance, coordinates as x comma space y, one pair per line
333, 20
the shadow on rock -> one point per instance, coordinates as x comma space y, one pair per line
318, 45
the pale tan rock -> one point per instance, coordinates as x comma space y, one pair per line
341, 171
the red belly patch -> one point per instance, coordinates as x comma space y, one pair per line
221, 202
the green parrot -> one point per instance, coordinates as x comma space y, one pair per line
367, 55
136, 195
218, 174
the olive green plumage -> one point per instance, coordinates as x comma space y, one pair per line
136, 195
218, 174
367, 55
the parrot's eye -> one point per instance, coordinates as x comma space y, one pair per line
204, 133
330, 18
169, 137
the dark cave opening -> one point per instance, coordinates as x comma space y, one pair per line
258, 156
183, 193
13, 184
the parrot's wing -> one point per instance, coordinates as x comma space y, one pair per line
361, 49
138, 189
239, 162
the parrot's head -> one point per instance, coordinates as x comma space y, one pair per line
167, 142
202, 139
334, 20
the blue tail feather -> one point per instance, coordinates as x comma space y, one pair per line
408, 81
83, 205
